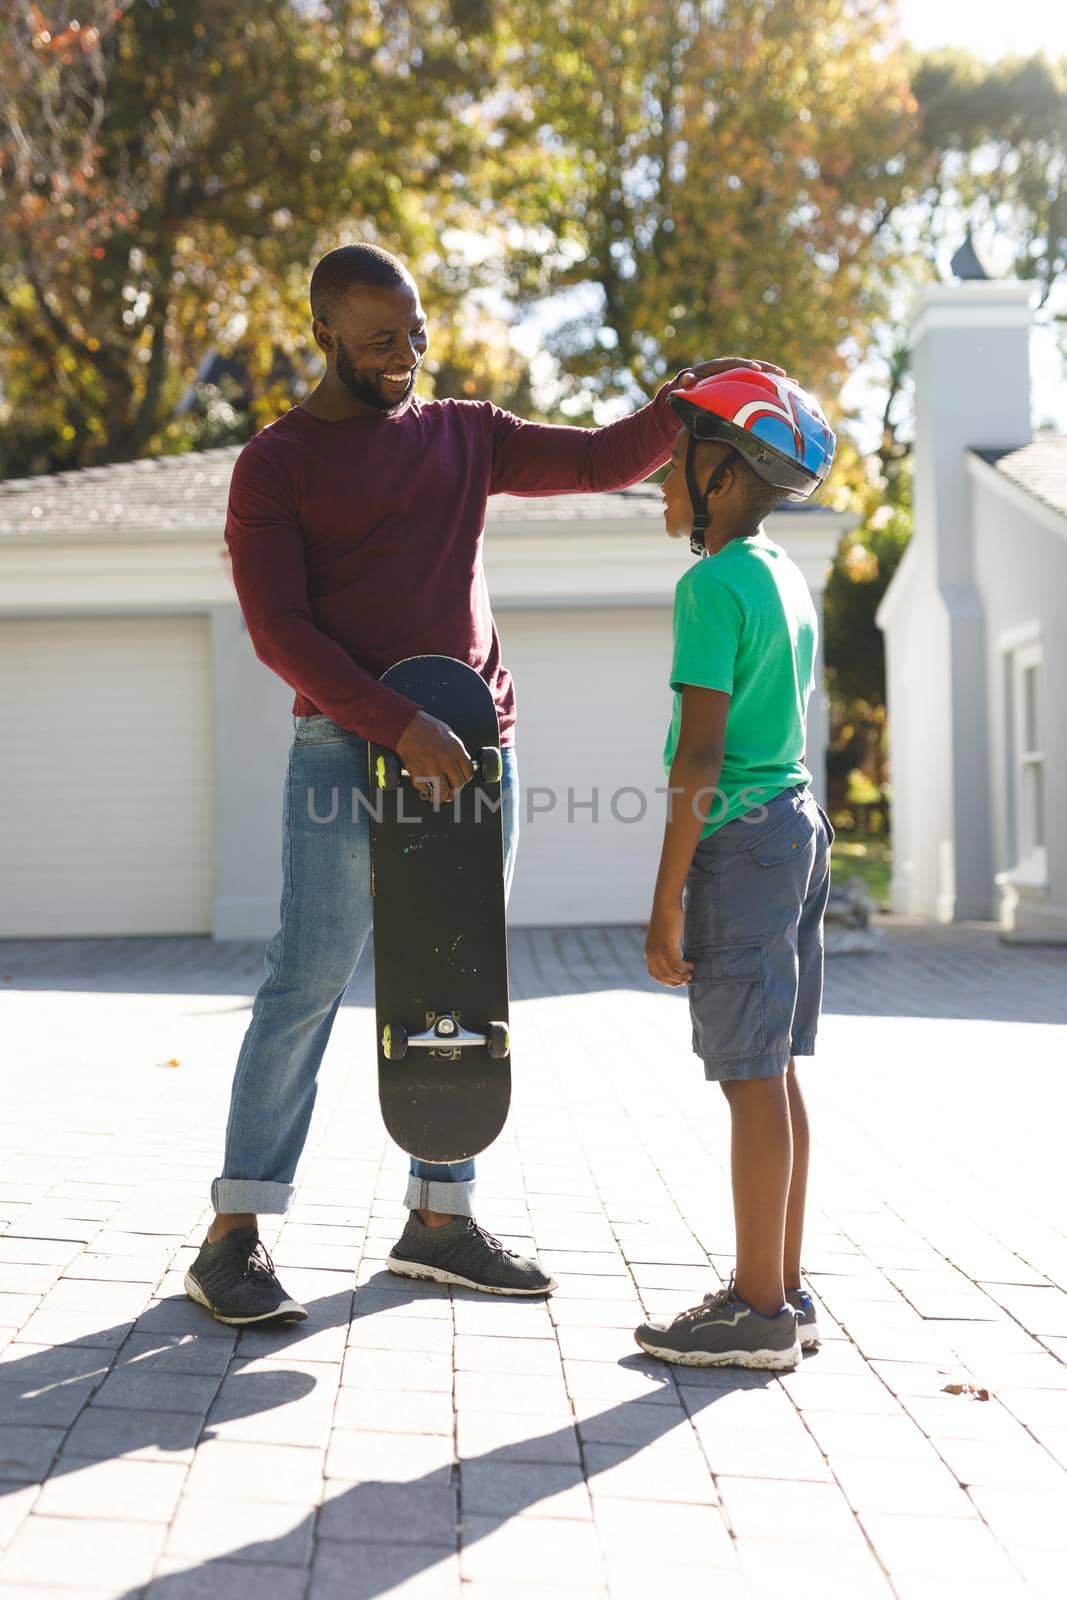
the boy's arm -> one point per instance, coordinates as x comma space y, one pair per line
692, 784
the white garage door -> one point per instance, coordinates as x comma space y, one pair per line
593, 706
106, 787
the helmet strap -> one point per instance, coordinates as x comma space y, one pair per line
699, 501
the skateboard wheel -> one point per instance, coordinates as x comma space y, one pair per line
499, 1040
394, 1041
387, 770
490, 765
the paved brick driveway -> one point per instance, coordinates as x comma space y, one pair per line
409, 1441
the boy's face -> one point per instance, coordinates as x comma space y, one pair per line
677, 508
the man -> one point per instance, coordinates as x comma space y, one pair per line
354, 527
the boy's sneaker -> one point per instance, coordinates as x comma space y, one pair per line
807, 1322
723, 1331
461, 1252
234, 1279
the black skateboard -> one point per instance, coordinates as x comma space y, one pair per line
440, 944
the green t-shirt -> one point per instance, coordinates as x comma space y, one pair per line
744, 622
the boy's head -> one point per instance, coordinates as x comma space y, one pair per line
749, 441
737, 500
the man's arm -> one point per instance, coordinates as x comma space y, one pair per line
535, 458
269, 572
692, 784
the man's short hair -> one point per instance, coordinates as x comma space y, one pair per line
352, 266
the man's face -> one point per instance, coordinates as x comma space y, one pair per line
379, 340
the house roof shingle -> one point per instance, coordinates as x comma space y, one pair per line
184, 497
1040, 468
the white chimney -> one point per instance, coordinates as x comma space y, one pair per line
970, 356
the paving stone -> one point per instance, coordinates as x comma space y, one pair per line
398, 1333
634, 1422
840, 1571
895, 1438
418, 1572
241, 1530
491, 1391
260, 1472
76, 1552
398, 1513
952, 1548
1024, 1519
738, 1453
398, 1369
498, 1489
101, 1432
922, 1489
690, 1535
304, 1341
17, 1309
633, 1379
176, 1579
138, 1491
798, 1511
407, 1412
631, 1580
361, 1455
510, 1437
146, 1387
194, 1354
179, 1314
673, 1473
23, 1278
495, 1548
520, 1357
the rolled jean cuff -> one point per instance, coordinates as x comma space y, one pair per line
430, 1194
232, 1195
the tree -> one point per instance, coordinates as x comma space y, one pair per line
169, 170
728, 169
993, 139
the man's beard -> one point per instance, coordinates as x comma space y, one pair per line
366, 390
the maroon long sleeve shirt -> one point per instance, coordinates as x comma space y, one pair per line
357, 543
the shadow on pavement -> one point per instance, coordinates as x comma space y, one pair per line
375, 1533
959, 971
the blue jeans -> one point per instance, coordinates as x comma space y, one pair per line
326, 915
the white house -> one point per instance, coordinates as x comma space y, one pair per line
975, 624
144, 745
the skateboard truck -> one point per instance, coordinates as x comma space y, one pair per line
445, 1034
389, 769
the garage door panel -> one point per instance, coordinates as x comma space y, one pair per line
107, 798
593, 704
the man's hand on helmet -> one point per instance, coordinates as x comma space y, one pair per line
705, 369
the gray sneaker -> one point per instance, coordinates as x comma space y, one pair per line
807, 1322
463, 1253
722, 1331
235, 1280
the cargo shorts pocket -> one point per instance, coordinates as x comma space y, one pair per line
726, 1000
788, 840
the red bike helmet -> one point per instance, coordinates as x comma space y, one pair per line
774, 424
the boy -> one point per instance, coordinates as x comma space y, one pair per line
746, 841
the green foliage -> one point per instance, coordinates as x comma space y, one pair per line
994, 136
863, 567
727, 183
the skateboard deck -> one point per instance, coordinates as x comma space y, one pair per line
440, 942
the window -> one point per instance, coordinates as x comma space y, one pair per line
1024, 749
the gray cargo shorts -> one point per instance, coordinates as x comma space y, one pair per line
754, 903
